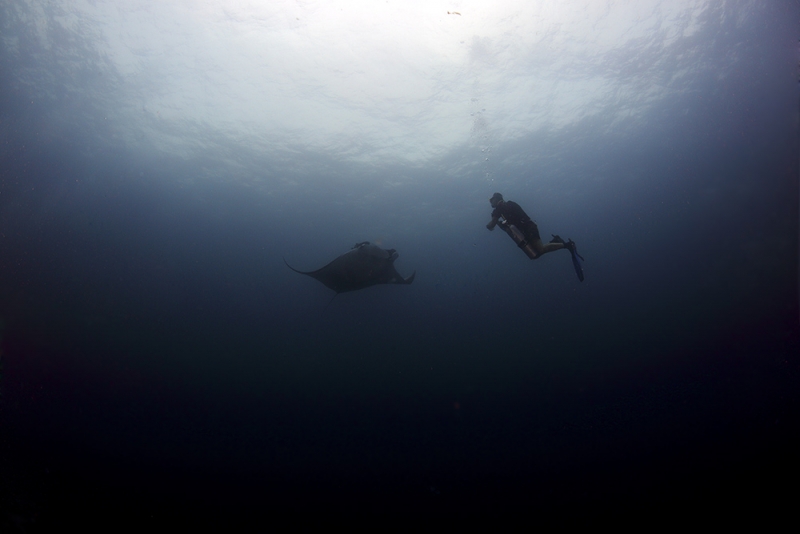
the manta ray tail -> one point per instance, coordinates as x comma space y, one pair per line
292, 268
329, 302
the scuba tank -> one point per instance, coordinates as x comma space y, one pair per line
518, 237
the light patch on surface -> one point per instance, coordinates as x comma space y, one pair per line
369, 81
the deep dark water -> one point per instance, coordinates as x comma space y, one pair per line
154, 372
161, 364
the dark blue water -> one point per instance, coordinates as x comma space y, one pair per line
160, 362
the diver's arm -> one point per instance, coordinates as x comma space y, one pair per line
492, 223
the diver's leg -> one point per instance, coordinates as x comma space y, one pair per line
550, 247
542, 248
532, 236
555, 244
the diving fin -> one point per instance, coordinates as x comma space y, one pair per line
576, 259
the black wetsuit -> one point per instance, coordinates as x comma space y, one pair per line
513, 213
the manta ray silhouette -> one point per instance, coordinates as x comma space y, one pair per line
363, 266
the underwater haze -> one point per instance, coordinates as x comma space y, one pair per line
160, 161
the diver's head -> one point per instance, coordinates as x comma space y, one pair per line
496, 199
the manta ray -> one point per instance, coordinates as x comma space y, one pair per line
362, 266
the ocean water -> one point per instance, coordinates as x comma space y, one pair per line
160, 362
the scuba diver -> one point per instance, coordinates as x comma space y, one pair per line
516, 223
